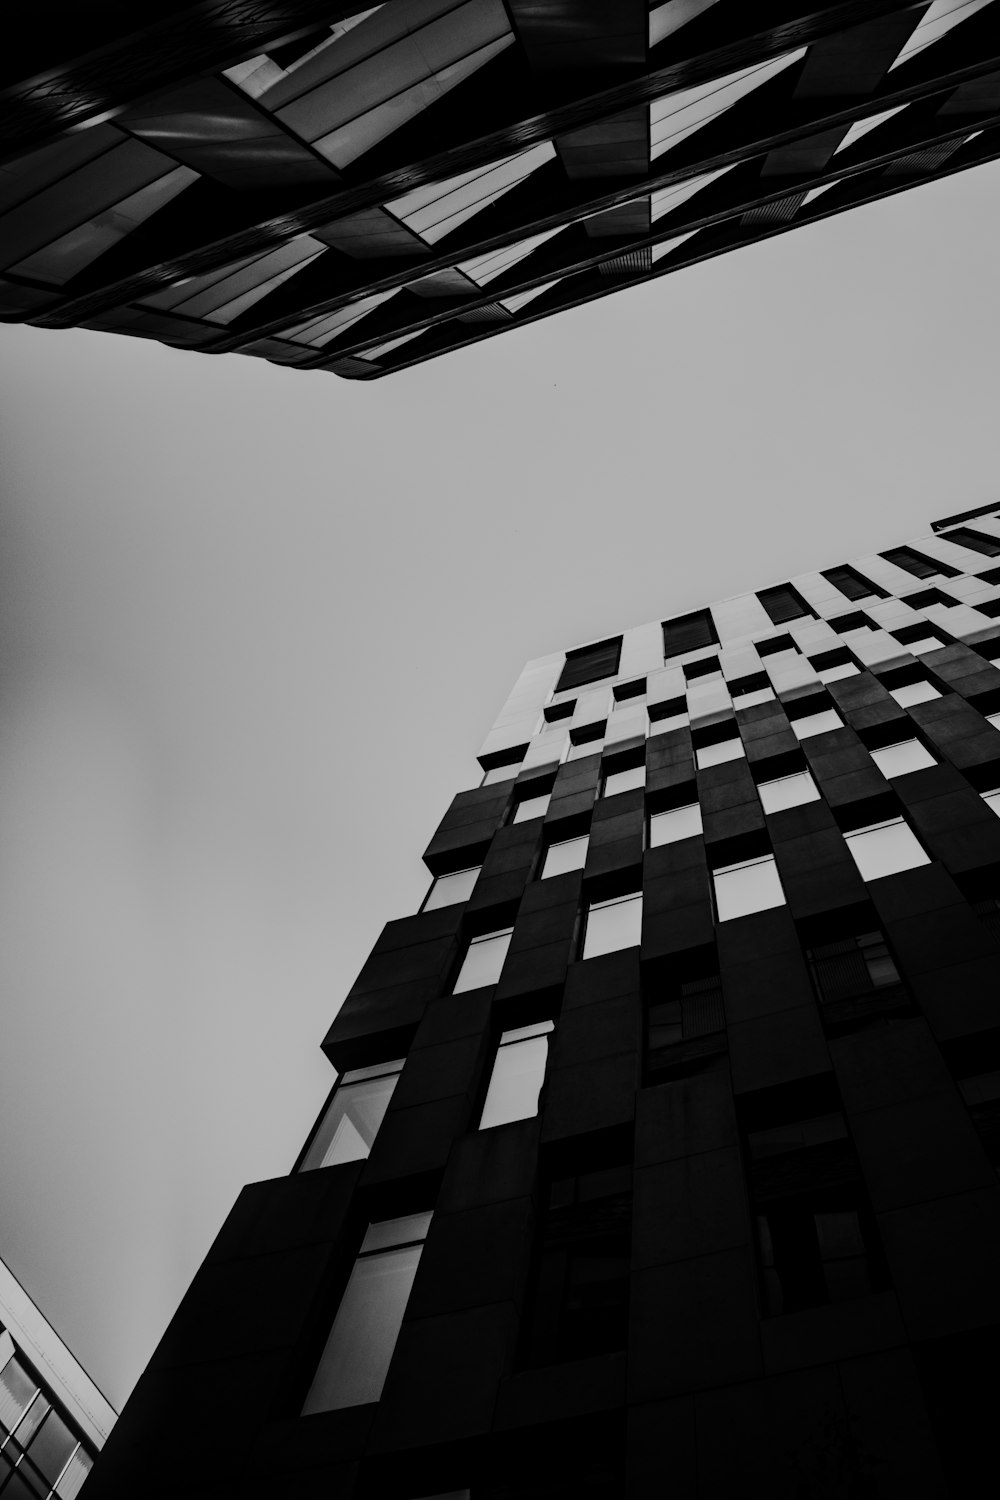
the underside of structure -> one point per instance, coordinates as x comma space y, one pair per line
359, 190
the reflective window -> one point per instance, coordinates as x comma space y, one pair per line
852, 966
624, 781
992, 800
448, 890
752, 885
884, 848
670, 827
581, 748
903, 757
501, 773
354, 1364
756, 695
993, 719
571, 854
914, 692
353, 1116
834, 674
671, 721
816, 723
788, 791
532, 807
924, 644
483, 960
613, 924
518, 1075
714, 755
17, 1389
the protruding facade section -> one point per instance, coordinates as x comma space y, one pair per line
360, 188
663, 1155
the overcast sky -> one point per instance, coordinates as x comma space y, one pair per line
256, 624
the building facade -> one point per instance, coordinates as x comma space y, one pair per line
53, 1419
357, 188
663, 1154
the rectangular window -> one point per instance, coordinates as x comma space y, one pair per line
355, 1361
449, 890
783, 603
670, 715
626, 692
902, 758
835, 674
717, 754
851, 583
993, 719
570, 854
919, 645
532, 807
613, 924
483, 960
992, 800
818, 723
578, 1303
518, 1075
557, 711
689, 633
852, 966
624, 781
975, 541
502, 773
816, 1237
914, 692
787, 791
752, 696
676, 824
749, 886
590, 664
885, 849
916, 564
352, 1118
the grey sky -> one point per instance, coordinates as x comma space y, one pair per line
256, 624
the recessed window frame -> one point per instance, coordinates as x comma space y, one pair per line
429, 903
520, 1063
339, 1134
632, 900
501, 936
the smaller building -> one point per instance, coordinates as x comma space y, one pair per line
53, 1419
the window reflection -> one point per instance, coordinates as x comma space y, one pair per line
717, 754
483, 960
914, 692
532, 807
448, 890
570, 854
676, 824
518, 1075
885, 848
624, 781
355, 1361
352, 1119
788, 791
903, 757
613, 924
749, 886
816, 724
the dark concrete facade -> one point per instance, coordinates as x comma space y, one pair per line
708, 1351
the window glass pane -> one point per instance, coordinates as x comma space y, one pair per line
586, 747
752, 885
898, 760
612, 925
914, 692
624, 781
924, 644
352, 1121
675, 721
518, 1075
16, 1390
52, 1446
355, 1362
757, 695
386, 1234
483, 961
678, 823
884, 848
532, 807
834, 674
447, 890
788, 791
992, 800
993, 719
501, 773
75, 1473
714, 755
816, 724
571, 854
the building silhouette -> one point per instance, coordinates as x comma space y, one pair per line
663, 1154
359, 188
53, 1419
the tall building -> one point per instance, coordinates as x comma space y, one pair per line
336, 186
53, 1419
662, 1159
